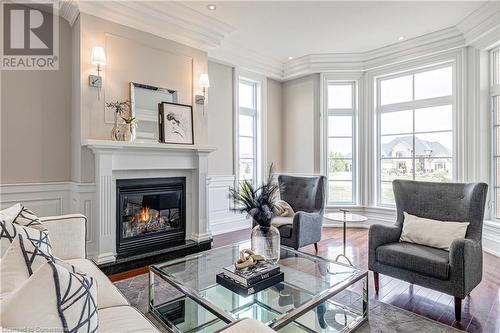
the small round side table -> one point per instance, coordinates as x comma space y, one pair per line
345, 217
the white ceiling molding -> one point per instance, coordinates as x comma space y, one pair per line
68, 10
435, 42
167, 19
481, 22
237, 55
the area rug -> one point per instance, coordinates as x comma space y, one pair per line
382, 317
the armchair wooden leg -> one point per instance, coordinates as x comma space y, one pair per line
375, 281
316, 247
458, 309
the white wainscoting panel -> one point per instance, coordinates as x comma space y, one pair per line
44, 199
52, 199
220, 215
491, 237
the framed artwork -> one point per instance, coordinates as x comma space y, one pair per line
176, 123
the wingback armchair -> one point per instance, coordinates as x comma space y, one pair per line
306, 195
455, 272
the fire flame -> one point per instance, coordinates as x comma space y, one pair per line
144, 214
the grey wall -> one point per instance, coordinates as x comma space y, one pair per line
36, 120
275, 124
301, 125
220, 119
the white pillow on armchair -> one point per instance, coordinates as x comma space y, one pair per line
433, 233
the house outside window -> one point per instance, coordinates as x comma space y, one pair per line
415, 114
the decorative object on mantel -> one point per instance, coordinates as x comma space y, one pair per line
129, 129
120, 108
176, 123
97, 57
258, 203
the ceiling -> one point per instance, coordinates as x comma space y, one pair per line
279, 30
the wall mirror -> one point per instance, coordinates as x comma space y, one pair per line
144, 100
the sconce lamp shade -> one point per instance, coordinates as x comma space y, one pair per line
204, 82
98, 57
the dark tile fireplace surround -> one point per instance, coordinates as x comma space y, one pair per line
151, 223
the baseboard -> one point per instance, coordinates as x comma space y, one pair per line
201, 237
231, 224
491, 237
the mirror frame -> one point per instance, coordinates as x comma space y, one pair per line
134, 85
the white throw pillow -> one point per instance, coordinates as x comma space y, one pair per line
14, 269
9, 231
283, 209
18, 214
52, 299
17, 219
434, 233
21, 259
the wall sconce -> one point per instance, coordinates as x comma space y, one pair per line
204, 83
97, 57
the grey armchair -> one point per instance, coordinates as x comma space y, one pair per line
456, 272
306, 195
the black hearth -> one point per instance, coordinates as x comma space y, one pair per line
151, 215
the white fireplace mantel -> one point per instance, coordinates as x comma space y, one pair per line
144, 146
118, 160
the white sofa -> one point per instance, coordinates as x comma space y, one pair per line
67, 235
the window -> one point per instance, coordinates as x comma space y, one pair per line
415, 128
340, 146
495, 107
248, 130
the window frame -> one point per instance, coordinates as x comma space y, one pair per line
353, 112
257, 113
412, 106
494, 100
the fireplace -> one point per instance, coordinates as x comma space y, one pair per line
151, 214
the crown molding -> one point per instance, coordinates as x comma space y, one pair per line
237, 55
69, 11
170, 20
481, 22
435, 42
180, 23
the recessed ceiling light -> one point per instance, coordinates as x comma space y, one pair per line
401, 38
290, 58
211, 7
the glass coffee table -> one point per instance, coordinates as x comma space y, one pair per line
317, 295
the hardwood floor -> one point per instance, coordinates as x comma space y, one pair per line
480, 311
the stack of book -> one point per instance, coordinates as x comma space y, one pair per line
250, 280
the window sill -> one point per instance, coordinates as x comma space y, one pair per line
358, 207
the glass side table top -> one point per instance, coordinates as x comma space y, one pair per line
317, 295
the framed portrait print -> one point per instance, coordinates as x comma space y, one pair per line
176, 123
